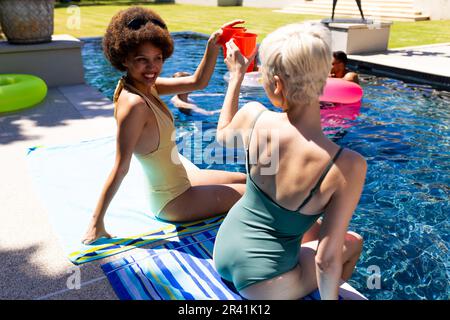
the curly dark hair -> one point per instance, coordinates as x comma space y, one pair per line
131, 27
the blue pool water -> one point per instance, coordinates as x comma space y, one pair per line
402, 131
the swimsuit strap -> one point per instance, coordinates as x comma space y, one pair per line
247, 162
117, 91
124, 84
313, 190
317, 186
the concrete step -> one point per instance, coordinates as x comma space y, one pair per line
400, 10
392, 7
378, 16
366, 12
377, 11
364, 2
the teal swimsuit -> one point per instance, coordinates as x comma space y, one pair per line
259, 239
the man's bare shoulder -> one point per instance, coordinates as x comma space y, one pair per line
352, 76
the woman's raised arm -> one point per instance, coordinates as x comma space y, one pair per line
233, 121
200, 79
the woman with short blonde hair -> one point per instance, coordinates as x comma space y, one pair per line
299, 55
272, 244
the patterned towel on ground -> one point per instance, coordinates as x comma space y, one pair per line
69, 179
180, 270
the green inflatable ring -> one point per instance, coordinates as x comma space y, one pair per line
20, 91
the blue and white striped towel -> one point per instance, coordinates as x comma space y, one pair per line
179, 270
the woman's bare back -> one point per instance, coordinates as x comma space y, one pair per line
301, 163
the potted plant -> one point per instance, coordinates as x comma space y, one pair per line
27, 21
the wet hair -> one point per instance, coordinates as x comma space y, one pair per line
340, 56
300, 55
180, 74
132, 27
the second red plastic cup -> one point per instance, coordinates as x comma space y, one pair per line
227, 34
246, 43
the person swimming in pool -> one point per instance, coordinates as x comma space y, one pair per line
137, 42
182, 102
279, 248
339, 68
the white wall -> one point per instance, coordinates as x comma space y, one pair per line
198, 2
205, 2
436, 9
246, 3
270, 3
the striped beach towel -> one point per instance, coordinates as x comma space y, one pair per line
180, 270
107, 247
69, 178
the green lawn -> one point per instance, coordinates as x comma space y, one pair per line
204, 19
404, 34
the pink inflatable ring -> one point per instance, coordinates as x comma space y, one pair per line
341, 91
336, 91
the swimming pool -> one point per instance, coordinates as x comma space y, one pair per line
403, 132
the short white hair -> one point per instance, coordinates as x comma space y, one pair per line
300, 54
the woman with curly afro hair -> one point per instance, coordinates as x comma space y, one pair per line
137, 42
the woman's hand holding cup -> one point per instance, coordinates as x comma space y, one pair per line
216, 37
237, 63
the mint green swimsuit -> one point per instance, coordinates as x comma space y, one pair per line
259, 239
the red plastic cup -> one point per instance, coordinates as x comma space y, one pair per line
246, 43
227, 34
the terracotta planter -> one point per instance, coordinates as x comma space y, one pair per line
27, 21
